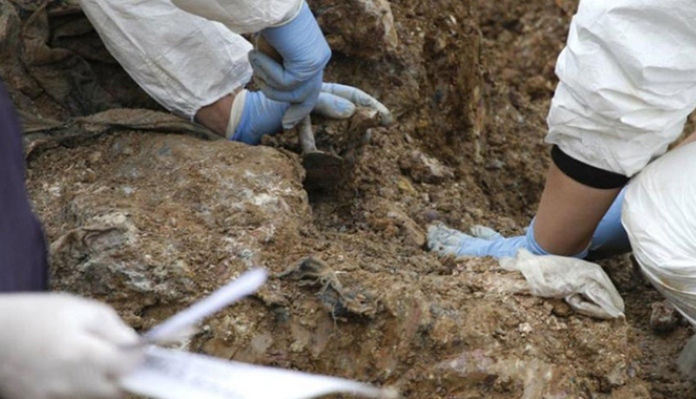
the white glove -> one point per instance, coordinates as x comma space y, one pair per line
55, 346
584, 285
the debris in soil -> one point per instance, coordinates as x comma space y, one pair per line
687, 359
664, 317
425, 169
324, 170
340, 301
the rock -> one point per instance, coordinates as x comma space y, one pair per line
405, 186
469, 368
429, 216
664, 317
617, 377
423, 168
174, 218
561, 308
413, 235
525, 328
363, 28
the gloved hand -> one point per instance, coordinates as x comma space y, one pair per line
57, 346
298, 80
483, 242
609, 239
338, 101
262, 116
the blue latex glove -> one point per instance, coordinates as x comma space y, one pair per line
485, 242
298, 80
609, 239
262, 116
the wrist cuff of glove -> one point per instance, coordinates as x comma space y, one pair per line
236, 114
536, 249
585, 174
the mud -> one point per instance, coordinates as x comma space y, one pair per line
150, 221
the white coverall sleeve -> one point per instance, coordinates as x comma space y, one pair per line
183, 61
659, 215
627, 82
243, 16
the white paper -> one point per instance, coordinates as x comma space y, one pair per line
172, 328
169, 374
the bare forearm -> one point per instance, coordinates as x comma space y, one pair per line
569, 212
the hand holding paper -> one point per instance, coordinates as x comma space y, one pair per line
61, 346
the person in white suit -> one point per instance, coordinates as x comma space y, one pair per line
190, 57
627, 83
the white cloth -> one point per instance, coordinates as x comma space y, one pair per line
627, 82
243, 16
181, 60
584, 285
659, 214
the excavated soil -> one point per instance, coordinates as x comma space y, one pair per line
149, 221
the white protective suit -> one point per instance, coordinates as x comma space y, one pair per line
659, 214
182, 60
627, 82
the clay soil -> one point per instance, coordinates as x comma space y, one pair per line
470, 85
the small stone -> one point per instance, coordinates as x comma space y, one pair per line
495, 164
405, 186
473, 367
387, 192
425, 169
94, 157
525, 328
89, 176
430, 215
561, 309
617, 376
664, 318
413, 235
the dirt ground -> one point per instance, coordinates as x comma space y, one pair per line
148, 221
